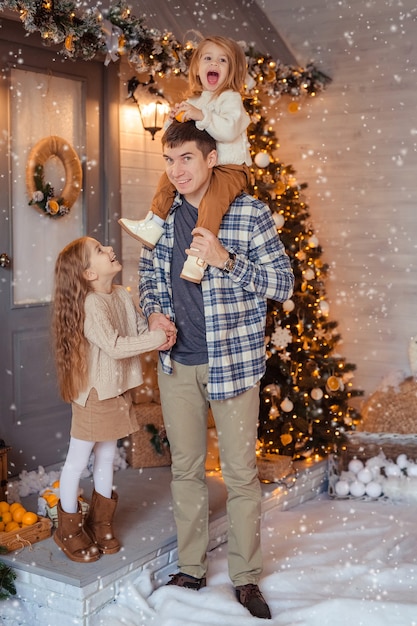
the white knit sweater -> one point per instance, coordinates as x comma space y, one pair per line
117, 335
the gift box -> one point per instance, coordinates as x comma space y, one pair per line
369, 446
25, 537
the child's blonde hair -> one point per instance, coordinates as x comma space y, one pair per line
237, 65
70, 291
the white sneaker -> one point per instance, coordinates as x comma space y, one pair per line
193, 269
147, 231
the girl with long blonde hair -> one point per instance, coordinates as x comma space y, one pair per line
98, 335
216, 82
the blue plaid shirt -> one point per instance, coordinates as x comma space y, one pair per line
234, 303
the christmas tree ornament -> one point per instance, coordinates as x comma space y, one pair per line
288, 306
262, 159
316, 393
280, 187
313, 241
324, 307
287, 405
333, 384
308, 274
278, 219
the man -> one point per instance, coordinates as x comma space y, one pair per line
218, 359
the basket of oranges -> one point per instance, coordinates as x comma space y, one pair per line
48, 502
19, 527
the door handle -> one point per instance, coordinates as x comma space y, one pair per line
4, 260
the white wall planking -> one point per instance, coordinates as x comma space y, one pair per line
355, 146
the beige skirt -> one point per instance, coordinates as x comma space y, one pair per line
104, 420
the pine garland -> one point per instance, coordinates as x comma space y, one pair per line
7, 578
85, 33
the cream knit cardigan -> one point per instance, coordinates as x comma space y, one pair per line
117, 335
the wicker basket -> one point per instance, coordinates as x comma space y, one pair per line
392, 409
145, 447
17, 539
365, 445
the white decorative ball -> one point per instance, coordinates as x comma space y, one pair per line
342, 488
262, 159
324, 307
402, 461
313, 241
316, 393
287, 405
412, 469
357, 489
308, 274
392, 469
355, 465
373, 489
278, 219
365, 475
288, 306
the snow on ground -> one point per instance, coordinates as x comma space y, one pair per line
326, 563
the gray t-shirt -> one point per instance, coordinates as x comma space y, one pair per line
191, 345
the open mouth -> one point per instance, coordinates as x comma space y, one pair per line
212, 78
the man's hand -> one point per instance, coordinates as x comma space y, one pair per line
207, 246
159, 320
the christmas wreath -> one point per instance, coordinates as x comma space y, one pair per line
41, 193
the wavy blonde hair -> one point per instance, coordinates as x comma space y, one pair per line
70, 291
237, 65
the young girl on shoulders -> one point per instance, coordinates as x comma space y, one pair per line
216, 78
98, 335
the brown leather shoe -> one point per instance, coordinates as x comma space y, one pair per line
185, 580
251, 598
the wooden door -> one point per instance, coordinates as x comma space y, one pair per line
42, 94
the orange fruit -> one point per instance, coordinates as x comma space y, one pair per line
4, 506
55, 485
29, 518
2, 525
180, 116
6, 517
52, 500
11, 526
18, 514
14, 506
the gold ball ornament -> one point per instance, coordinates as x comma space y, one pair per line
293, 107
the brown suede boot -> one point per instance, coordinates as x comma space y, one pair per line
72, 539
98, 524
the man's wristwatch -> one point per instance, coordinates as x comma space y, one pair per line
230, 263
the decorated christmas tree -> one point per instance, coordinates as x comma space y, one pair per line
307, 387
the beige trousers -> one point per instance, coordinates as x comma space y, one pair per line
184, 405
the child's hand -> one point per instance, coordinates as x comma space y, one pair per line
184, 111
159, 320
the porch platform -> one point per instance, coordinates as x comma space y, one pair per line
59, 591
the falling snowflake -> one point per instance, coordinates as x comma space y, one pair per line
281, 337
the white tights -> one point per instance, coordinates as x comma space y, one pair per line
77, 460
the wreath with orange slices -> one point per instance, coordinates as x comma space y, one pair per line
41, 194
